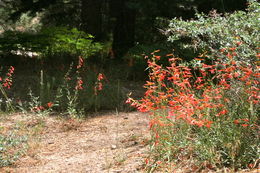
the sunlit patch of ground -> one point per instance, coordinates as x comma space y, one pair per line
107, 143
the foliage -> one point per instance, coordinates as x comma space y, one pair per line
140, 50
35, 106
121, 22
210, 33
12, 146
70, 91
208, 113
72, 41
49, 41
42, 87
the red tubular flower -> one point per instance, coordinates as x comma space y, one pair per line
79, 84
236, 121
223, 112
146, 161
129, 100
7, 82
199, 80
80, 63
50, 104
232, 48
100, 77
157, 57
222, 50
208, 124
244, 125
100, 86
245, 119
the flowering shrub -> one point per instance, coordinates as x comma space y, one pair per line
208, 112
6, 83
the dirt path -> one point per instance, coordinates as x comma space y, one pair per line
111, 143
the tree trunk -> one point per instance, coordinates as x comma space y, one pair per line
91, 17
124, 29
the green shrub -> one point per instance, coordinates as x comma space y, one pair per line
12, 146
211, 33
49, 41
71, 41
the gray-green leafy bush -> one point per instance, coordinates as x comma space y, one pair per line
12, 146
213, 32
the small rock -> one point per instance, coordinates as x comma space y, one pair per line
113, 147
51, 142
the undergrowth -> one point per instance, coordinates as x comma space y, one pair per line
12, 146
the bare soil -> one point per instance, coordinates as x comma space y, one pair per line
107, 143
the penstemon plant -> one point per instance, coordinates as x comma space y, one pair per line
37, 107
7, 83
208, 112
70, 93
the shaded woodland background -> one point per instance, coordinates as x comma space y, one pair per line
125, 23
42, 38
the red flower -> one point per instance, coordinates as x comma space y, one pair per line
199, 80
223, 112
208, 124
100, 86
50, 104
245, 119
146, 161
129, 100
232, 49
80, 63
100, 77
236, 121
79, 85
222, 50
244, 125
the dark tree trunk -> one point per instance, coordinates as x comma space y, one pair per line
91, 17
124, 29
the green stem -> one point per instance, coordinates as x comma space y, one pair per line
6, 97
41, 87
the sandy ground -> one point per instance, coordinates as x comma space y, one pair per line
107, 143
